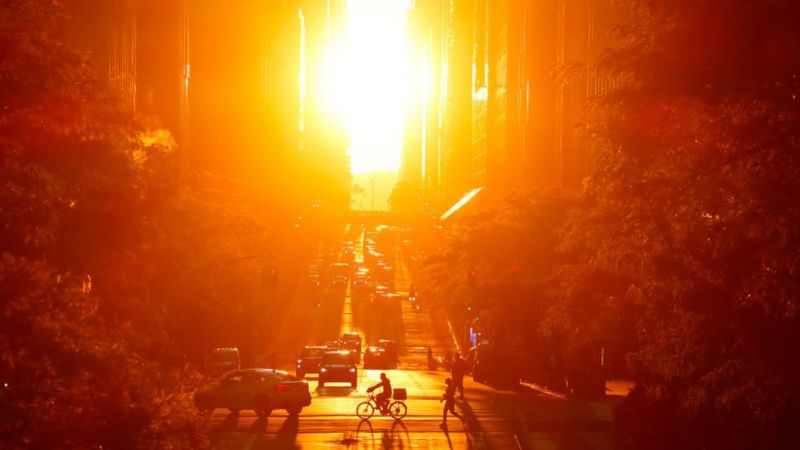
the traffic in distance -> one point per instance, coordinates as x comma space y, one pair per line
357, 343
359, 269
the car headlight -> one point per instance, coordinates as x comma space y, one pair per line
323, 370
352, 370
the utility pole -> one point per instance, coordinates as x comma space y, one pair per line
373, 194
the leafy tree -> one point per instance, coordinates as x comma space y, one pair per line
499, 265
692, 217
111, 268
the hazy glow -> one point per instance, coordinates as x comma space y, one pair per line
368, 82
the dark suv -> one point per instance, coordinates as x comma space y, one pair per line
391, 350
352, 341
309, 359
338, 366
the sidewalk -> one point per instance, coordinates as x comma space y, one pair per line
421, 329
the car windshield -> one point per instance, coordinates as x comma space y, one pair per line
336, 358
312, 352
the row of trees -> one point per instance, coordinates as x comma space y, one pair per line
681, 250
114, 275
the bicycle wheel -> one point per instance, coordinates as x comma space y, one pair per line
365, 410
398, 410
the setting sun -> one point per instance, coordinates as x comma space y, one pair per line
367, 82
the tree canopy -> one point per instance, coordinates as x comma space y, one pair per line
111, 266
682, 247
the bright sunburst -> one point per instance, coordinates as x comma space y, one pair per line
368, 80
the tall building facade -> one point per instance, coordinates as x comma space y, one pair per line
518, 78
423, 146
233, 84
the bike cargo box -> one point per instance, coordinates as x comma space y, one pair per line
400, 394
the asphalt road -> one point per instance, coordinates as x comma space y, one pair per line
522, 418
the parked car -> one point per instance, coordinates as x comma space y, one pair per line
351, 341
309, 359
338, 366
222, 360
377, 358
262, 390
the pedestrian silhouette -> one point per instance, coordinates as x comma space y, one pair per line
458, 371
449, 403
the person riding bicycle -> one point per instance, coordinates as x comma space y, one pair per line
383, 398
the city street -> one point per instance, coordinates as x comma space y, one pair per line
525, 418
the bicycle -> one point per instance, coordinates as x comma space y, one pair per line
397, 409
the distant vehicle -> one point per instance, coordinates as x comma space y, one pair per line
309, 359
348, 254
361, 281
222, 360
377, 358
384, 274
262, 390
351, 341
380, 289
338, 366
337, 274
312, 280
331, 345
387, 297
390, 347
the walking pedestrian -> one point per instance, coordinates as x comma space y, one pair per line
458, 371
431, 361
449, 403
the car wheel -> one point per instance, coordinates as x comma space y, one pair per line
294, 410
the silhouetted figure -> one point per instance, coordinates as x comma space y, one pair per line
448, 360
383, 398
449, 403
431, 360
458, 371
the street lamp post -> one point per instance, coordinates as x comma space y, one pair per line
373, 194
